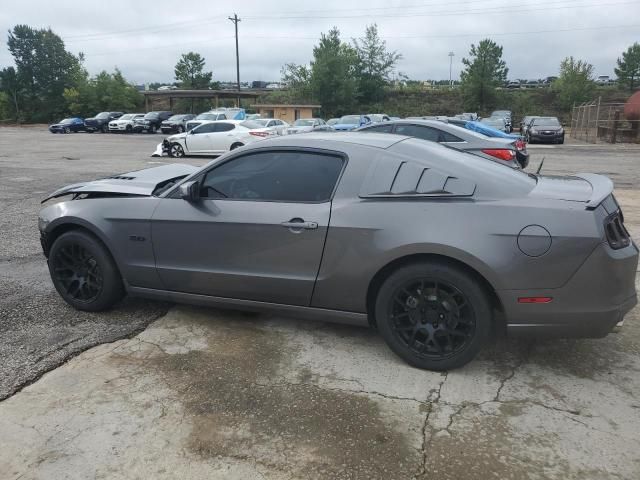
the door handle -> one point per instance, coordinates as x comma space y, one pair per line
299, 224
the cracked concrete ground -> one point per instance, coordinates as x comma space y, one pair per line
204, 393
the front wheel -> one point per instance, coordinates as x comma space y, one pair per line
67, 130
129, 129
153, 129
83, 272
433, 315
176, 150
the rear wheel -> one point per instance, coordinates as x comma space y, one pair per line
67, 130
236, 145
105, 128
434, 315
153, 129
129, 128
83, 272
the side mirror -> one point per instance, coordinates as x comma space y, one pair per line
190, 191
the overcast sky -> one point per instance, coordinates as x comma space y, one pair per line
145, 39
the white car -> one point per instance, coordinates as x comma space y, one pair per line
303, 125
275, 124
213, 138
124, 123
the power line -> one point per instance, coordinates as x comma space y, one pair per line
511, 10
386, 37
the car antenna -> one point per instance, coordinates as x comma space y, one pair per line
540, 166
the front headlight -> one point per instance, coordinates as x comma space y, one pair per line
561, 130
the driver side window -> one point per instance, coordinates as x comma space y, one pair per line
275, 177
205, 128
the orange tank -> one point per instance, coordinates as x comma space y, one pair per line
632, 107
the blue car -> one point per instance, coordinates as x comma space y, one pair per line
487, 130
68, 125
351, 122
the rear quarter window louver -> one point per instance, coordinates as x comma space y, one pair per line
394, 178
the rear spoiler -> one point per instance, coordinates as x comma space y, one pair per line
601, 187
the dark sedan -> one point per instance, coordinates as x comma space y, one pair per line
436, 248
545, 130
176, 123
100, 123
68, 125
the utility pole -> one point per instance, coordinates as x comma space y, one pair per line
235, 21
451, 54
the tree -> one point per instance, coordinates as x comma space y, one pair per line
628, 70
484, 71
298, 80
189, 71
105, 91
374, 64
333, 77
10, 86
575, 82
44, 68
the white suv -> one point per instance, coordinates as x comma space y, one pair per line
124, 123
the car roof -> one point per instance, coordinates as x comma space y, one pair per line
322, 139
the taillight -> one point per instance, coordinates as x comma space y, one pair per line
520, 144
501, 153
259, 134
615, 231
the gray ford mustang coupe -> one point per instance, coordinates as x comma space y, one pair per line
432, 246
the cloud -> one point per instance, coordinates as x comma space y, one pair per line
145, 41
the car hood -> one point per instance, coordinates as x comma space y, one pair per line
59, 125
140, 182
588, 188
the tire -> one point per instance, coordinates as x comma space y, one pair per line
105, 129
176, 150
67, 130
561, 141
84, 273
236, 145
129, 129
434, 315
153, 129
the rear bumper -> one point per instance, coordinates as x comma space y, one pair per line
598, 296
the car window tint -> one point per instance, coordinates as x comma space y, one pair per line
381, 129
275, 176
224, 127
418, 131
205, 128
447, 137
222, 117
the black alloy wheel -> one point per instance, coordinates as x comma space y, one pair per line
83, 272
433, 315
78, 272
431, 318
67, 130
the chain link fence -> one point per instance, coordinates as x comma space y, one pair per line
597, 122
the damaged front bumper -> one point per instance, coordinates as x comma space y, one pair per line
162, 150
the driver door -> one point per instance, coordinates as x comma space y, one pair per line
198, 140
256, 233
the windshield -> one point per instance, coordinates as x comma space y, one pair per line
262, 121
207, 116
127, 116
251, 124
176, 118
102, 115
547, 121
151, 115
67, 120
351, 119
303, 123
